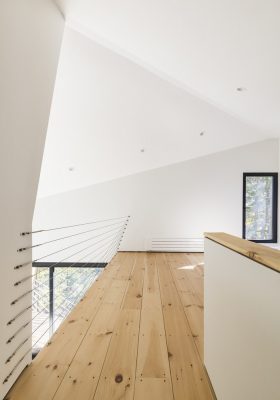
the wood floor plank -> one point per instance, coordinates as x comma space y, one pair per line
152, 374
82, 376
118, 373
189, 379
133, 298
193, 308
194, 275
127, 265
188, 376
168, 288
153, 389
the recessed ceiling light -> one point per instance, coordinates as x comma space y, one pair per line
241, 89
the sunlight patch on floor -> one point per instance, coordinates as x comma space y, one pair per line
191, 266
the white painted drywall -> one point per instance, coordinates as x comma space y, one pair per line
30, 39
241, 325
106, 108
198, 195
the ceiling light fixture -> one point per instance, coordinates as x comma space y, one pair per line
241, 89
142, 150
201, 133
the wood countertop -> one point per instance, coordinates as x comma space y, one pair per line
262, 254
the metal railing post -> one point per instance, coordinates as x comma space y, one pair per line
51, 299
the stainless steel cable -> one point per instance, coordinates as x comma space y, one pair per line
60, 261
73, 245
69, 236
27, 308
56, 263
73, 226
58, 286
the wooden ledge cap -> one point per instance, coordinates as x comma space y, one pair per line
262, 254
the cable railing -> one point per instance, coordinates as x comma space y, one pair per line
55, 264
57, 276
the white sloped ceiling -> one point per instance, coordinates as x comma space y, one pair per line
112, 117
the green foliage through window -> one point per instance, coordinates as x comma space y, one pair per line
259, 207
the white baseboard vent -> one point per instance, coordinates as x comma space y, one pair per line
184, 244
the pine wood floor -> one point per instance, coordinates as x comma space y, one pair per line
137, 334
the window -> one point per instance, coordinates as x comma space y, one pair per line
260, 207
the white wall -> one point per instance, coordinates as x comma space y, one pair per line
191, 197
30, 39
242, 325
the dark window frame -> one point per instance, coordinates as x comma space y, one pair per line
51, 300
274, 175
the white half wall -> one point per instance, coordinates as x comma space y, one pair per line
30, 39
242, 326
204, 194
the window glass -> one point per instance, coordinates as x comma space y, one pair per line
259, 207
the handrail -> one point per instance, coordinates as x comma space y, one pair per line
264, 255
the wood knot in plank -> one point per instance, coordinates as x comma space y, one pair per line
71, 321
118, 378
139, 296
251, 255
